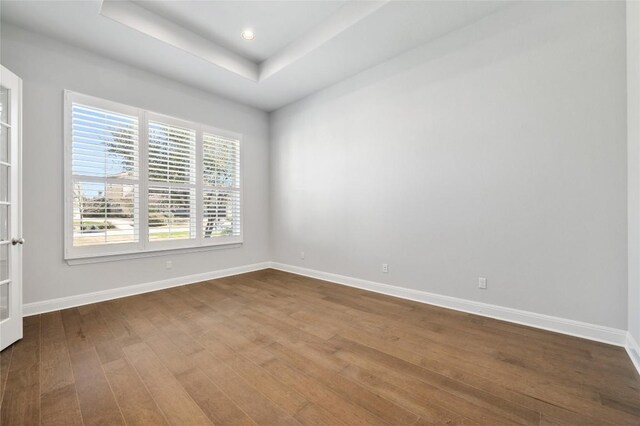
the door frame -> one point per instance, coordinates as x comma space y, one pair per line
11, 328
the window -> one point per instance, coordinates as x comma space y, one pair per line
172, 181
105, 177
137, 181
221, 181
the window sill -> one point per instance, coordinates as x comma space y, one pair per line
144, 254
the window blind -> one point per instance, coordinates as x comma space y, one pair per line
105, 174
139, 181
172, 161
221, 179
172, 153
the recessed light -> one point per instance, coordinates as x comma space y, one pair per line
248, 35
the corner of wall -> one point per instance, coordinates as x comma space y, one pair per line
633, 170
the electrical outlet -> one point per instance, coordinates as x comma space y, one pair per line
169, 264
385, 268
302, 255
482, 283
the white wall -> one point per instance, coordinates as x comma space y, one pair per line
47, 68
498, 150
633, 146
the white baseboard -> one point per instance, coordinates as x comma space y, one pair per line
584, 330
633, 349
100, 296
561, 325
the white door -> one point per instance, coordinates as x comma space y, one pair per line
10, 208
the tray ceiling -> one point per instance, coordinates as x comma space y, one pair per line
300, 47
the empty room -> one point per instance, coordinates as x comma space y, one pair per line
331, 212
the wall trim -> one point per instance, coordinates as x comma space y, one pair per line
584, 330
633, 349
116, 293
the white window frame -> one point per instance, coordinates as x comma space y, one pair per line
143, 246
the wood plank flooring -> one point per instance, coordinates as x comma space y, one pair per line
280, 349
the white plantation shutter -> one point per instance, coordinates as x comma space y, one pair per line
172, 182
105, 144
104, 158
137, 181
172, 153
221, 186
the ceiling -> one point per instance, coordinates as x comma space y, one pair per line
277, 23
300, 46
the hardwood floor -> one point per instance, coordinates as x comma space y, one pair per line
275, 348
